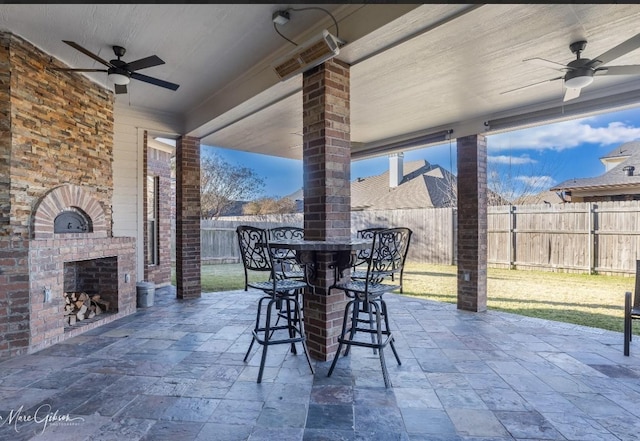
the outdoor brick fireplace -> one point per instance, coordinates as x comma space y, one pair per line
56, 163
87, 261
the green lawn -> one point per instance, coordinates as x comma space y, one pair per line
589, 300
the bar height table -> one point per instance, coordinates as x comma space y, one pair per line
326, 262
342, 251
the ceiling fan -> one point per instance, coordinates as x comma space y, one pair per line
581, 71
120, 72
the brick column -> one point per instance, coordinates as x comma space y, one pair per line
327, 193
188, 218
472, 223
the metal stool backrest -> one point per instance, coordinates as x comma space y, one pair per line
286, 233
388, 253
254, 250
363, 255
282, 233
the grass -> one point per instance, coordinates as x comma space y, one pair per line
589, 300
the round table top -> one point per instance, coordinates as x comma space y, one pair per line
322, 245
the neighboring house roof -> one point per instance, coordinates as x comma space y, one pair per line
544, 197
617, 177
423, 185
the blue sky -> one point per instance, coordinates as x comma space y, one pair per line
547, 154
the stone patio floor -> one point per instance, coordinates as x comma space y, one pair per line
174, 371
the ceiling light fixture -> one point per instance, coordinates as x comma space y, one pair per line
118, 78
579, 79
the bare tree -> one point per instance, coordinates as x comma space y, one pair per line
270, 206
222, 184
516, 179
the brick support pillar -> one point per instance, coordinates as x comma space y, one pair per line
327, 194
188, 218
472, 223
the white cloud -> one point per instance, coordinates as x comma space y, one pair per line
536, 181
564, 135
512, 160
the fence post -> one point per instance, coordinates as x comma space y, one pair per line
512, 236
454, 230
591, 238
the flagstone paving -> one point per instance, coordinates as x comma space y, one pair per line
174, 371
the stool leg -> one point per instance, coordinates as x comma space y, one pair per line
255, 329
298, 312
383, 364
385, 317
342, 334
265, 344
367, 309
356, 302
627, 322
291, 325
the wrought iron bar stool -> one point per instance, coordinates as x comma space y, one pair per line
386, 257
287, 267
631, 310
285, 263
280, 295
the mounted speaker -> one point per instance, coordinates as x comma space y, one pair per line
307, 55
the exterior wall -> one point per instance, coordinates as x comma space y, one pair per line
130, 126
158, 164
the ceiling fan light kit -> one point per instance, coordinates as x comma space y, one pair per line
118, 78
579, 78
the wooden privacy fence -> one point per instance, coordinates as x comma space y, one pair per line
589, 237
596, 237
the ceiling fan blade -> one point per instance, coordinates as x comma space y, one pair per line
631, 44
144, 63
87, 53
154, 81
570, 93
120, 88
531, 85
77, 70
546, 63
632, 69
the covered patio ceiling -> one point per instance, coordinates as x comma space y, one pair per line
417, 69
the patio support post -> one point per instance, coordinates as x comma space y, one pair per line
326, 157
188, 218
472, 223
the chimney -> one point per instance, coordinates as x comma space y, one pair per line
628, 170
395, 169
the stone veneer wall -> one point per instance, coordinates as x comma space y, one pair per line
55, 128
